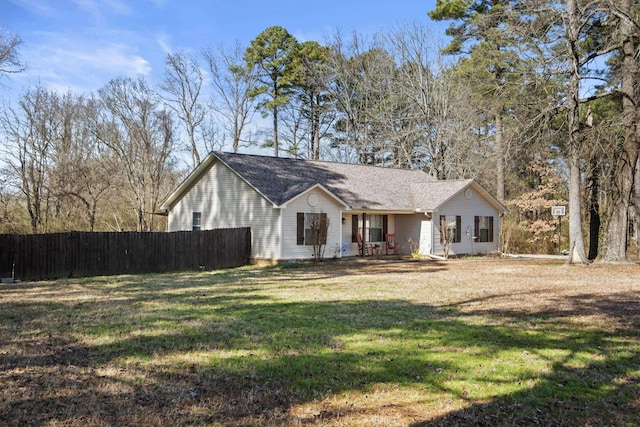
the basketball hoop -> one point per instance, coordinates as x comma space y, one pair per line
558, 210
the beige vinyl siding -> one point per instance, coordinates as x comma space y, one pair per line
323, 204
467, 209
408, 229
226, 201
352, 247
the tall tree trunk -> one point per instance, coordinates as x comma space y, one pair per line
276, 93
316, 134
236, 137
616, 238
500, 157
636, 205
275, 130
593, 185
576, 239
315, 127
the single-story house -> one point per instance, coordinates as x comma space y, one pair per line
280, 197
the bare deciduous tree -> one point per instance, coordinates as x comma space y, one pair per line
319, 226
82, 172
435, 119
363, 71
140, 136
182, 88
10, 213
31, 132
9, 56
232, 84
54, 161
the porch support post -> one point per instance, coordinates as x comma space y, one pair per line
364, 222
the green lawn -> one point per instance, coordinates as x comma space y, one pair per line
462, 342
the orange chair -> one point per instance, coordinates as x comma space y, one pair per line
391, 246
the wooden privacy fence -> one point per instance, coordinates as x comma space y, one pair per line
75, 254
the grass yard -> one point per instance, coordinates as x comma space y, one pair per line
347, 343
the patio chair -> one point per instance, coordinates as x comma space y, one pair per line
391, 246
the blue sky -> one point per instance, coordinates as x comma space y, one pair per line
82, 44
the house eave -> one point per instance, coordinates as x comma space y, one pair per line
383, 211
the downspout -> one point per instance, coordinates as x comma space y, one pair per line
280, 210
341, 233
281, 245
433, 237
433, 232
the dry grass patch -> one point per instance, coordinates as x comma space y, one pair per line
373, 342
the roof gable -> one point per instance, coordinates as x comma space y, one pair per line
434, 194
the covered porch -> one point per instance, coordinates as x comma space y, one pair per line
374, 233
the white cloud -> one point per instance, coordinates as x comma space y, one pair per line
90, 6
115, 58
98, 8
75, 63
164, 40
38, 7
303, 35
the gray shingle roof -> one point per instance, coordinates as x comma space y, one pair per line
361, 187
428, 196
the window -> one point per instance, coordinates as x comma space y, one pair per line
196, 221
450, 228
375, 228
311, 228
483, 228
